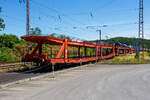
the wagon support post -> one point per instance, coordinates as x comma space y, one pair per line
118, 51
36, 48
96, 52
101, 52
85, 51
113, 49
40, 48
79, 52
66, 50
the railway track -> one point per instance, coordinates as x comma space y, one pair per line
16, 66
13, 64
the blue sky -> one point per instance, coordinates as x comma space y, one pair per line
71, 17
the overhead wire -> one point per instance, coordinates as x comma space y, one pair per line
58, 14
61, 15
13, 18
104, 5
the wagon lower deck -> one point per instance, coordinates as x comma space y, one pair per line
81, 51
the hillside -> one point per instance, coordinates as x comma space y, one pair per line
128, 41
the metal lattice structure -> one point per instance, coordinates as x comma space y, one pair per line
141, 29
141, 21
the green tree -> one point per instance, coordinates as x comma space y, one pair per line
8, 41
63, 37
11, 48
128, 41
2, 25
6, 55
35, 31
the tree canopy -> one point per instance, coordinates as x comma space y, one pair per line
8, 41
35, 31
2, 25
129, 41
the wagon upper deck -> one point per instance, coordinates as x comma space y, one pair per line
100, 51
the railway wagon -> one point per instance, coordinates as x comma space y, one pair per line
98, 52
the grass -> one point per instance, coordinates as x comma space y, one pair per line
129, 59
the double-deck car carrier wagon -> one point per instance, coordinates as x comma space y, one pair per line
99, 51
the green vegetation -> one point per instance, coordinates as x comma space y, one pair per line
60, 36
8, 45
129, 41
130, 59
6, 55
2, 25
35, 31
11, 48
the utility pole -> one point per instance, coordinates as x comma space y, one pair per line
100, 36
141, 28
28, 19
100, 33
28, 24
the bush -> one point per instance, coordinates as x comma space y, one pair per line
8, 41
7, 56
